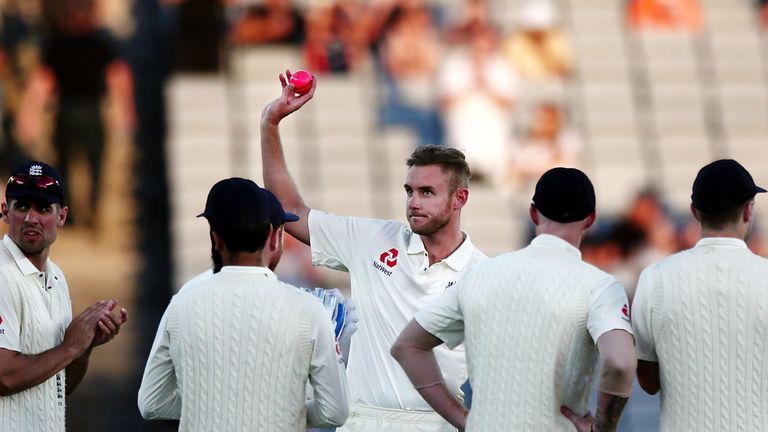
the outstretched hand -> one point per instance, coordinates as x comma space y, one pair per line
288, 102
583, 424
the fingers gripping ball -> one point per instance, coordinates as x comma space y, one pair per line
302, 81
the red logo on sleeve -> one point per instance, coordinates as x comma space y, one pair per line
625, 312
389, 257
1, 319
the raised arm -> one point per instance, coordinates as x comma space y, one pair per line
276, 175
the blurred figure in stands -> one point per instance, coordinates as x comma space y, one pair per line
81, 69
664, 15
19, 55
538, 48
409, 55
268, 22
331, 44
546, 142
477, 90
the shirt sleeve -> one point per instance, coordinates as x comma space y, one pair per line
641, 317
334, 240
608, 310
443, 317
329, 406
10, 325
158, 395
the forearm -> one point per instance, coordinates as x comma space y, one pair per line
19, 372
442, 401
278, 179
76, 371
609, 409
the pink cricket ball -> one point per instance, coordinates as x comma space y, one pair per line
302, 81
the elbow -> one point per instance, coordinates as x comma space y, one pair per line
617, 375
397, 350
339, 417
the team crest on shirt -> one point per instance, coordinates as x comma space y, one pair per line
389, 260
625, 313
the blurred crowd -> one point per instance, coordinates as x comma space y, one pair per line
65, 92
492, 81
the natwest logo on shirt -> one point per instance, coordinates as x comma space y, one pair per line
389, 257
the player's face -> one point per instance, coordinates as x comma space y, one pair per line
429, 202
33, 224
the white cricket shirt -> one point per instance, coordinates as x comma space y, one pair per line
35, 311
391, 279
529, 321
702, 314
235, 351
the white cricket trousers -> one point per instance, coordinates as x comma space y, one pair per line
365, 418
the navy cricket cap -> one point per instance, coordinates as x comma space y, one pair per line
278, 215
235, 202
564, 195
36, 179
722, 185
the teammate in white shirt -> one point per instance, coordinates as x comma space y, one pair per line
236, 349
700, 316
533, 322
44, 353
395, 269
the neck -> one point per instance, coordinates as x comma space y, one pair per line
245, 259
442, 244
564, 232
38, 261
732, 232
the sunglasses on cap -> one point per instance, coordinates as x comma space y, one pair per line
26, 181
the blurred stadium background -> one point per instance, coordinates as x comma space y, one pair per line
647, 103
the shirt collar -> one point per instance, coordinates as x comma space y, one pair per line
551, 241
249, 269
25, 265
721, 241
457, 260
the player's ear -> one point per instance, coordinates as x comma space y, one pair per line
460, 198
534, 214
63, 211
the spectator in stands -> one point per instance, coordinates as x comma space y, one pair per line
546, 142
268, 22
330, 44
409, 55
477, 90
199, 32
19, 39
664, 15
762, 10
81, 67
538, 48
459, 27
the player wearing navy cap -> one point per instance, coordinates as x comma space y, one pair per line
44, 353
235, 350
701, 316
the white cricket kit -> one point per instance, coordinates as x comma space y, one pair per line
235, 351
702, 314
391, 279
35, 311
530, 321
